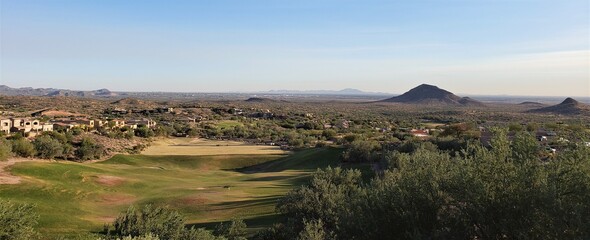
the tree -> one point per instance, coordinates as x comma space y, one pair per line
48, 147
362, 151
5, 149
314, 230
23, 148
89, 149
505, 192
326, 197
17, 221
234, 230
329, 134
160, 222
144, 132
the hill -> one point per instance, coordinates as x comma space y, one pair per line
53, 92
259, 99
346, 91
429, 94
568, 107
129, 101
532, 104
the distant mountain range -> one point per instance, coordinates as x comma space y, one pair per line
429, 94
568, 107
29, 91
346, 91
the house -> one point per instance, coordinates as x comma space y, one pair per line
72, 123
99, 123
67, 125
47, 127
116, 123
165, 109
343, 124
85, 123
141, 122
187, 120
420, 133
25, 125
5, 125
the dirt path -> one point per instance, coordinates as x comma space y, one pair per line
5, 176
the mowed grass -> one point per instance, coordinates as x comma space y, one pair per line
204, 147
227, 124
76, 198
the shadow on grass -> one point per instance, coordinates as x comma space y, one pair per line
254, 224
261, 201
307, 160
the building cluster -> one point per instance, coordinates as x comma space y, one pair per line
34, 126
23, 125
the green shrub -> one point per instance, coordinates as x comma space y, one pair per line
160, 222
23, 148
48, 147
89, 149
505, 192
17, 221
5, 149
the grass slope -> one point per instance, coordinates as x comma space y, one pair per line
74, 198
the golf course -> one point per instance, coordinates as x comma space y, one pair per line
207, 181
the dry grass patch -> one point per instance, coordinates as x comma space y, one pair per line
203, 147
113, 199
109, 181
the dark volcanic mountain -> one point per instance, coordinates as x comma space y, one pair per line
429, 94
568, 107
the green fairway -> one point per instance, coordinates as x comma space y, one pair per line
76, 198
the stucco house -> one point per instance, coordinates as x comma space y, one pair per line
5, 125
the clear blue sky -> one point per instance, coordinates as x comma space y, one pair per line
515, 47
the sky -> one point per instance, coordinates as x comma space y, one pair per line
485, 47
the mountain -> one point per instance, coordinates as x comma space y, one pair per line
260, 100
568, 107
52, 92
532, 104
346, 91
467, 101
429, 94
25, 91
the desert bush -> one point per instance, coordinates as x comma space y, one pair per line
47, 147
5, 149
89, 149
504, 192
17, 221
160, 222
23, 148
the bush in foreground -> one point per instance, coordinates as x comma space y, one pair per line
17, 221
23, 148
152, 222
48, 147
505, 192
5, 149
